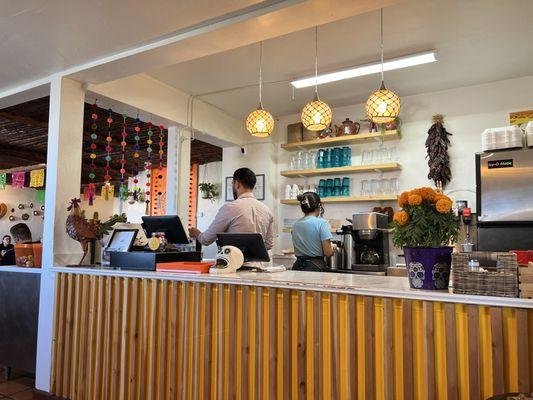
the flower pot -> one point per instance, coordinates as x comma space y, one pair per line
428, 267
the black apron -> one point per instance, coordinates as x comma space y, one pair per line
304, 263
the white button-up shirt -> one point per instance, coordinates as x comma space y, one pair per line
244, 215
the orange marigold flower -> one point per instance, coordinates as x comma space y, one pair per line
415, 191
440, 196
443, 206
401, 218
404, 197
427, 193
415, 199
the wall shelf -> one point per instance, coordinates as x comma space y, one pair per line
345, 199
354, 169
342, 140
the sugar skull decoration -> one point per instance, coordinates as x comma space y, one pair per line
228, 260
416, 274
440, 274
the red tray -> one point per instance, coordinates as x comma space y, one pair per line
189, 267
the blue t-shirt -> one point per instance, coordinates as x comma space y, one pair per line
308, 234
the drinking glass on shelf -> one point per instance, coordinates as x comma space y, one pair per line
376, 156
305, 160
395, 186
393, 154
385, 186
292, 164
384, 155
365, 188
312, 160
366, 158
375, 184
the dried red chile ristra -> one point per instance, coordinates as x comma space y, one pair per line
437, 144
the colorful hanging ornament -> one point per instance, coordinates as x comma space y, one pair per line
109, 139
3, 179
160, 168
148, 167
92, 154
107, 192
17, 180
37, 178
136, 190
123, 189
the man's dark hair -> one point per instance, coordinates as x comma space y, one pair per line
21, 233
246, 177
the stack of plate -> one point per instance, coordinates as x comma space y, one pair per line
529, 134
507, 137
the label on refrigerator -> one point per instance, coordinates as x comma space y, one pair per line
500, 164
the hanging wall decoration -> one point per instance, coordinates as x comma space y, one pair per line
108, 139
123, 189
37, 178
437, 144
92, 155
107, 192
17, 180
160, 168
136, 190
148, 167
3, 178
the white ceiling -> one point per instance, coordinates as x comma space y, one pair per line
41, 37
477, 41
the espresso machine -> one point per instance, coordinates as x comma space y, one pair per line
366, 243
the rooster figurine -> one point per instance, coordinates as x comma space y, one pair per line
86, 231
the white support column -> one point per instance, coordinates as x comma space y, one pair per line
178, 171
63, 179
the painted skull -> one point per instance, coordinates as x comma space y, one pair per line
229, 257
440, 274
416, 274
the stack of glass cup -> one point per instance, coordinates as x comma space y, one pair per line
334, 157
380, 187
335, 187
379, 156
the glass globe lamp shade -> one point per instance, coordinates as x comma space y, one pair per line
316, 115
260, 123
383, 106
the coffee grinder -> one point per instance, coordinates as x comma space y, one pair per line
370, 242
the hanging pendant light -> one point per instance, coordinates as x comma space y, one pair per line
316, 115
260, 123
383, 106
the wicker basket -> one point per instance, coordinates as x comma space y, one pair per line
502, 282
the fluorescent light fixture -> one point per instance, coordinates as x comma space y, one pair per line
368, 69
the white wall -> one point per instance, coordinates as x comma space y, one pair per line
467, 112
12, 198
207, 209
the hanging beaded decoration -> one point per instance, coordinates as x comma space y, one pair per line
92, 154
135, 173
148, 167
123, 190
160, 168
108, 139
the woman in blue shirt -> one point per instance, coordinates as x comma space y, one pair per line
311, 236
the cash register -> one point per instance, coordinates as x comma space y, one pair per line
142, 258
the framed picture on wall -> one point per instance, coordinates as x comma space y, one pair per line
259, 189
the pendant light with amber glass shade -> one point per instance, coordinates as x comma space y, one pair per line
260, 123
316, 115
383, 106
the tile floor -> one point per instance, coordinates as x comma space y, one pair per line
18, 387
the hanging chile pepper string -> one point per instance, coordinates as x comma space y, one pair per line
92, 155
108, 139
135, 171
123, 189
148, 166
160, 168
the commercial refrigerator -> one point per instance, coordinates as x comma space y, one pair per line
504, 181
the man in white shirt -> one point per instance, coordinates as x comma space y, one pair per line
245, 214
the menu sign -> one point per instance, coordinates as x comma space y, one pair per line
500, 164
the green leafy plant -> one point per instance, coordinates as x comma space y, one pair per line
209, 190
425, 220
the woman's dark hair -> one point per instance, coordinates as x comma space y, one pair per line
246, 177
309, 202
6, 236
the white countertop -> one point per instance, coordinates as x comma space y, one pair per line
14, 268
368, 285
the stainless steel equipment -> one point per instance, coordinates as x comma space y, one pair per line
335, 261
366, 243
505, 200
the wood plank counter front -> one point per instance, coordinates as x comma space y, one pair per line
282, 336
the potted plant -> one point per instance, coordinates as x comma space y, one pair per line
209, 190
425, 228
